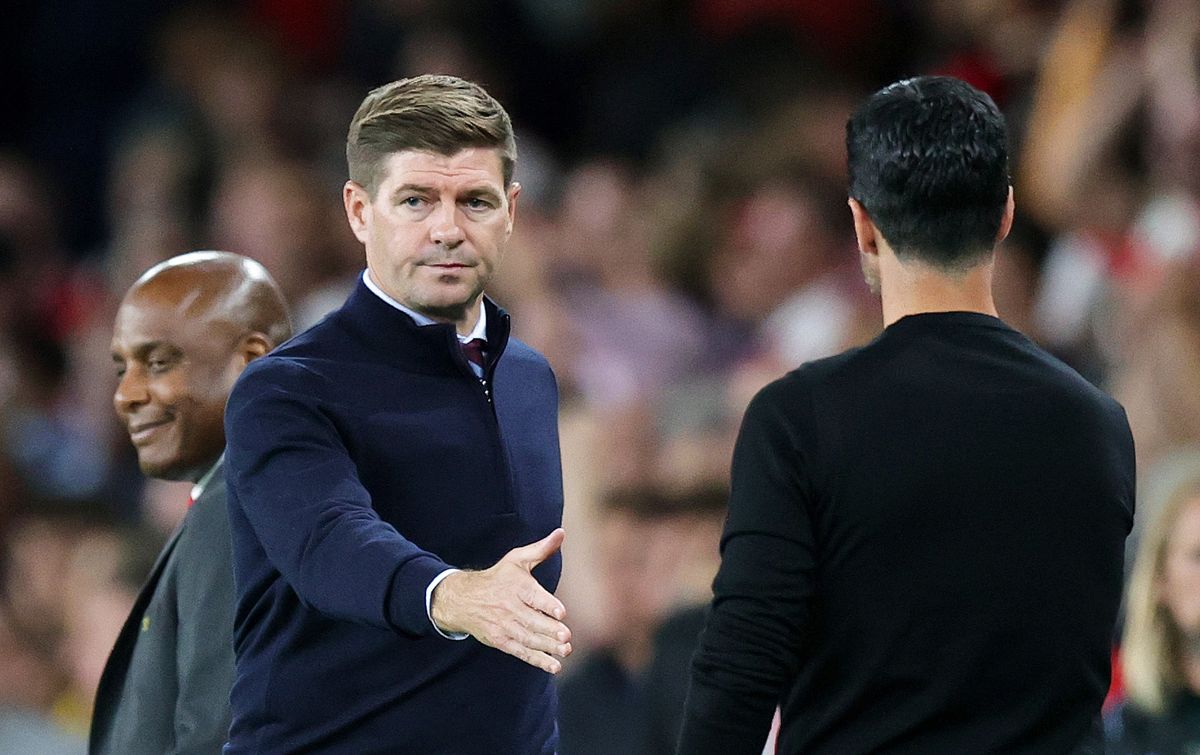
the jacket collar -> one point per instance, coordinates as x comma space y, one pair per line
431, 349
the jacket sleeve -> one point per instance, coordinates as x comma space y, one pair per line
293, 477
204, 648
750, 648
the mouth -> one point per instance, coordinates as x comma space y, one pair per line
449, 265
143, 431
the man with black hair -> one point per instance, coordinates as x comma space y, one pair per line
925, 535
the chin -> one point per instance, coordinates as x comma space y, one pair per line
449, 304
170, 474
171, 470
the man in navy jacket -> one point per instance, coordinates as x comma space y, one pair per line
395, 487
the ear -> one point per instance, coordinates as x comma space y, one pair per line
251, 347
514, 190
1006, 220
864, 228
358, 209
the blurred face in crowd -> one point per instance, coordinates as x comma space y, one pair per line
1179, 583
777, 242
638, 562
435, 228
175, 369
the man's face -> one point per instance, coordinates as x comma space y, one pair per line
436, 228
639, 560
1179, 584
175, 371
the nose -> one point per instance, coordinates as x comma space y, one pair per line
446, 230
131, 391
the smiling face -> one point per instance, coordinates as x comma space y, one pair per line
175, 369
435, 229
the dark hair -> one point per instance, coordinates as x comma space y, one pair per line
439, 114
647, 503
928, 161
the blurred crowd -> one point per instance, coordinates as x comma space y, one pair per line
682, 238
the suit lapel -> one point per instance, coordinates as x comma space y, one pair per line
112, 680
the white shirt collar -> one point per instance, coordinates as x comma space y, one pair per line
479, 331
199, 487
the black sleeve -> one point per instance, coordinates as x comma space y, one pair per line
751, 645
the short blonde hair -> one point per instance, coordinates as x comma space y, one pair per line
1152, 643
439, 114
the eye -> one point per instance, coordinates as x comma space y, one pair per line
120, 371
413, 203
158, 366
478, 203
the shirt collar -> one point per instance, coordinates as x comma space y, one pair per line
479, 331
199, 487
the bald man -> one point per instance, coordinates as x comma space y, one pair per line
184, 332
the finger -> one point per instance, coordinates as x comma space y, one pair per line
543, 625
542, 643
553, 638
533, 554
534, 658
539, 599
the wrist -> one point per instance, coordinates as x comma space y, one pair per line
441, 604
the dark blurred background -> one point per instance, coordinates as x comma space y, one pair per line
682, 239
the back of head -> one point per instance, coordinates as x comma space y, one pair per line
438, 114
928, 160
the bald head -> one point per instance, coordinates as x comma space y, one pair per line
184, 332
222, 288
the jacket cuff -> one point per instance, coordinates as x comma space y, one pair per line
406, 609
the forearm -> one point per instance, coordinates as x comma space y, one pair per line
730, 702
750, 649
299, 497
748, 653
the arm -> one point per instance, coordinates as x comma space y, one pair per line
294, 479
1088, 87
299, 488
750, 648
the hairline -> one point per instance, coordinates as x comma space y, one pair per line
381, 166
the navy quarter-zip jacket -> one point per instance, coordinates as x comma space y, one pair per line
364, 458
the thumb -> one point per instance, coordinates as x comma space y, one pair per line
533, 554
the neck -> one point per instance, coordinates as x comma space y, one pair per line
911, 288
198, 474
464, 318
469, 319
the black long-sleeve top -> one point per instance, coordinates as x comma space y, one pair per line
923, 553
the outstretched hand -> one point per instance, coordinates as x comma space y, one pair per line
505, 607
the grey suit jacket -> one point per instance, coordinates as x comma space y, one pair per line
165, 688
